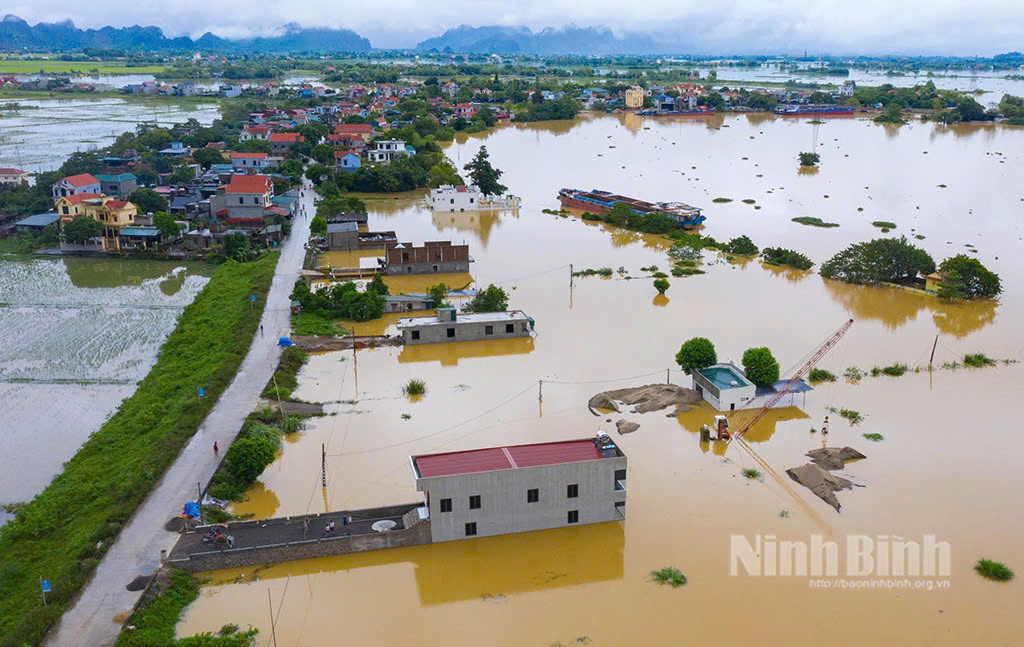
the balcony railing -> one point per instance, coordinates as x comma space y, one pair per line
706, 384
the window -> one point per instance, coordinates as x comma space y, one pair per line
451, 332
435, 268
408, 269
453, 200
241, 200
474, 502
510, 328
525, 329
572, 491
488, 330
65, 209
533, 495
471, 201
415, 335
574, 516
405, 257
446, 505
471, 529
255, 200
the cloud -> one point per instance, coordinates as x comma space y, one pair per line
982, 27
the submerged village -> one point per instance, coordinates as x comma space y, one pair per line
399, 338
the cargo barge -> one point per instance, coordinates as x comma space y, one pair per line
807, 111
597, 201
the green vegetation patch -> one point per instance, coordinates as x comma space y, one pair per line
782, 256
993, 570
821, 375
668, 575
604, 271
414, 387
874, 437
749, 201
155, 620
286, 377
895, 370
722, 200
978, 360
814, 222
311, 323
751, 473
884, 224
851, 415
64, 531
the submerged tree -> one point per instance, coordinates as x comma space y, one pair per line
760, 366
696, 353
661, 285
809, 159
966, 278
893, 260
484, 175
493, 299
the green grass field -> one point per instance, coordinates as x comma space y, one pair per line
64, 531
105, 68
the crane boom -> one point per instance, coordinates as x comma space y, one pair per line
803, 370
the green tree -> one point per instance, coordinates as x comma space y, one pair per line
248, 457
485, 176
253, 146
147, 201
207, 157
182, 175
337, 205
323, 153
760, 366
741, 245
317, 173
82, 228
444, 173
661, 285
696, 353
237, 247
318, 226
714, 100
493, 299
893, 114
970, 110
967, 278
377, 285
165, 223
809, 159
884, 259
439, 295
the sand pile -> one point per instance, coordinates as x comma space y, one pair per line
650, 397
176, 524
820, 482
834, 458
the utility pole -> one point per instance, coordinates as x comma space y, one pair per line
323, 465
273, 630
934, 344
667, 380
199, 487
540, 390
570, 275
280, 407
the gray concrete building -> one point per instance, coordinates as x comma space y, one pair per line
450, 325
342, 236
520, 488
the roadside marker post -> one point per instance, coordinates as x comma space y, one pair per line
45, 586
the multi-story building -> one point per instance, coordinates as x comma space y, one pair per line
386, 150
455, 198
120, 184
13, 177
726, 387
449, 325
635, 97
433, 257
76, 184
113, 214
249, 161
244, 200
281, 143
520, 488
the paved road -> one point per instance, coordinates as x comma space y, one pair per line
96, 617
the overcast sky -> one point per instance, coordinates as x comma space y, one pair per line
982, 27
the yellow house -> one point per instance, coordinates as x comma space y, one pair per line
933, 281
113, 214
635, 97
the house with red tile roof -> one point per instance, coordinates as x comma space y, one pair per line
347, 160
13, 177
281, 143
249, 161
75, 184
255, 131
244, 201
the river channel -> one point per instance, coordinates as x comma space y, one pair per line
950, 439
77, 335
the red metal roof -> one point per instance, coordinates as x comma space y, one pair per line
249, 156
78, 197
286, 137
82, 179
248, 184
11, 171
504, 458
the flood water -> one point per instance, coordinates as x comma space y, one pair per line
77, 335
950, 436
41, 135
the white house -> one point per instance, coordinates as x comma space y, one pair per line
247, 161
725, 387
455, 198
75, 184
385, 150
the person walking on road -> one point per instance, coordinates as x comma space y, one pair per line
261, 330
216, 448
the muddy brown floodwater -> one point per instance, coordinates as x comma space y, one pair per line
951, 438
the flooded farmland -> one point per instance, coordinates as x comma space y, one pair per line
77, 334
947, 443
42, 133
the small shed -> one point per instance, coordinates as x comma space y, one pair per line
342, 236
36, 223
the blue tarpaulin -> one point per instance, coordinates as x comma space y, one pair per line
191, 509
284, 341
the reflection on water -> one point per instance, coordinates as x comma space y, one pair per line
762, 431
478, 222
894, 307
450, 354
259, 502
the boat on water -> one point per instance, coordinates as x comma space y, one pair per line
597, 201
696, 112
804, 111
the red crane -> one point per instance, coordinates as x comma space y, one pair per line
802, 371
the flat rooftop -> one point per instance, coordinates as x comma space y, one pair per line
512, 457
468, 317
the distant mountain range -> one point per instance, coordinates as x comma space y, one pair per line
521, 40
17, 34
